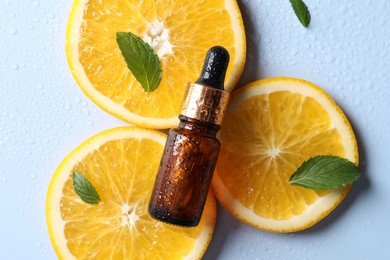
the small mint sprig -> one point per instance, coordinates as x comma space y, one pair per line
141, 60
301, 11
85, 189
325, 172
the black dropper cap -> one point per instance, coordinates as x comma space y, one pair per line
214, 68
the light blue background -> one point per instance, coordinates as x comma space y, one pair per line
44, 115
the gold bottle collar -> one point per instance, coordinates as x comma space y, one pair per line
205, 103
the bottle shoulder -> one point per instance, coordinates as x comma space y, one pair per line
192, 132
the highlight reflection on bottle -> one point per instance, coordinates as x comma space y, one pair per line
192, 149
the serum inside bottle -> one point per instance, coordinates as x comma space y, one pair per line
192, 149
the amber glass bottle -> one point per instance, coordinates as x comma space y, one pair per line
191, 150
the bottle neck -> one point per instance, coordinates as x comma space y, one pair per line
198, 126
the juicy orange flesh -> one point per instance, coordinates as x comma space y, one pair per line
123, 173
190, 25
265, 139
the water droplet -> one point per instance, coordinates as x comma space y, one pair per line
12, 31
341, 9
329, 59
263, 63
340, 23
256, 38
294, 52
86, 112
249, 190
345, 66
33, 176
14, 66
67, 105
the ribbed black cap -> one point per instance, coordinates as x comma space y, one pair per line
214, 68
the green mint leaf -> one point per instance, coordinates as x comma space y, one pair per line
325, 173
301, 11
84, 189
141, 60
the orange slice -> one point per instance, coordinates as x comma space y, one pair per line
121, 164
179, 32
271, 127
